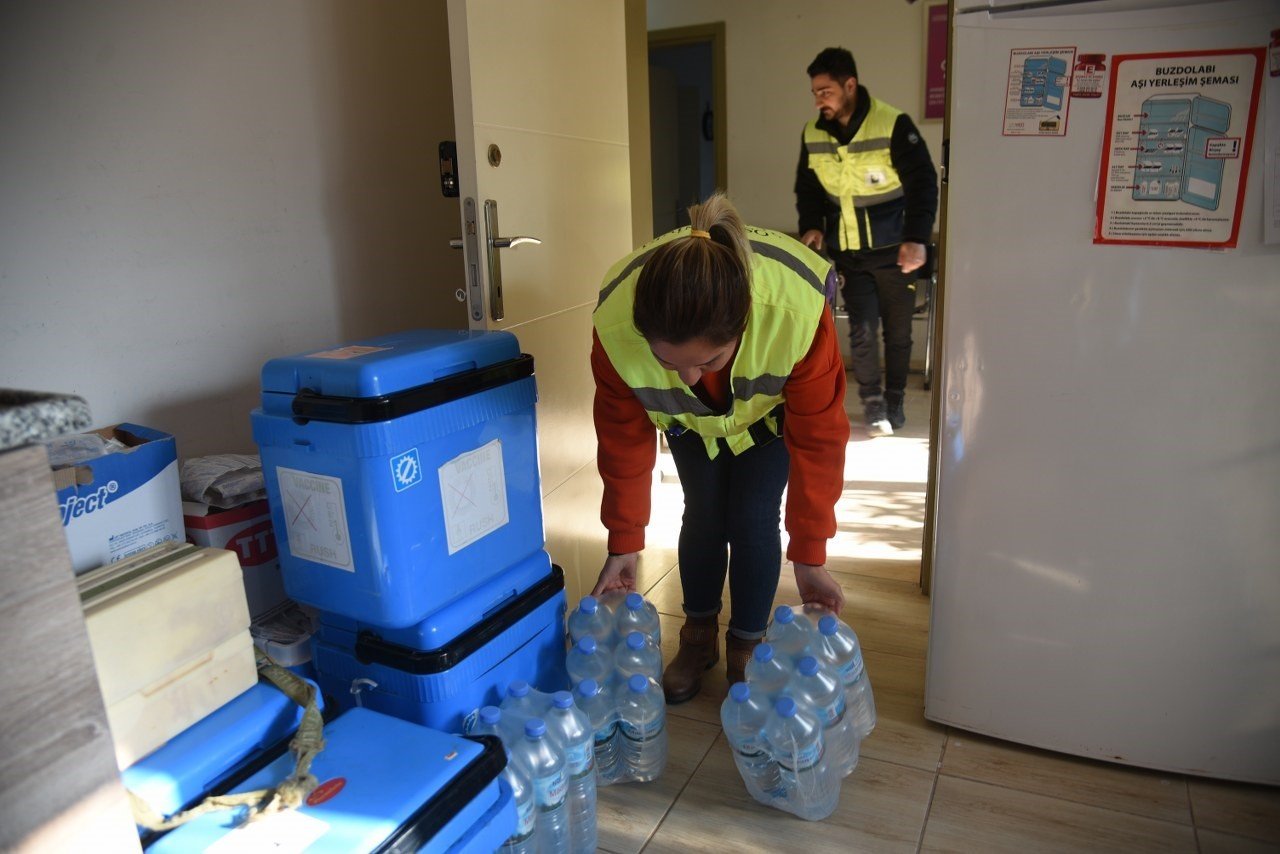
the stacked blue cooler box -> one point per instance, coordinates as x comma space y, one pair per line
402, 474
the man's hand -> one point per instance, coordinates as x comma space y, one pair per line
619, 573
818, 587
813, 239
911, 256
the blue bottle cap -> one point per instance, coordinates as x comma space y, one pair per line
588, 687
784, 615
562, 700
490, 715
638, 683
764, 653
740, 692
588, 605
828, 625
518, 688
635, 640
634, 601
785, 707
808, 665
587, 646
536, 727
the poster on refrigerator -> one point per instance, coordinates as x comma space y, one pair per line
1176, 147
1038, 93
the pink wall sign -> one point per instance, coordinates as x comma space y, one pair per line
935, 62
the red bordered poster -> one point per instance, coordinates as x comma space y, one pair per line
1176, 147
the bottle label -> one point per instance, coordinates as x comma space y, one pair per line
579, 758
802, 759
643, 732
550, 790
833, 713
525, 820
851, 670
605, 734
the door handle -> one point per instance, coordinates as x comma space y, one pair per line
495, 263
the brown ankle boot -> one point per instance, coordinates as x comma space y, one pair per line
737, 652
699, 650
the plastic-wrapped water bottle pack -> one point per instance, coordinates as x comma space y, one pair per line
615, 664
796, 724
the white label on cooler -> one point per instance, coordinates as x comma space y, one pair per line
280, 833
473, 493
315, 518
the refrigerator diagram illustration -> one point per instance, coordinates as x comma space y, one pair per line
1172, 160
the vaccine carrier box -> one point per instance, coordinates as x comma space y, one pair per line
169, 631
402, 471
385, 785
117, 505
439, 687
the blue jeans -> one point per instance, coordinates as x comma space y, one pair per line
732, 510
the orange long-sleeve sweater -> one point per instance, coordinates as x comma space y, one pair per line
815, 428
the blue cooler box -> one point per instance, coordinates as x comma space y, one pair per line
439, 687
402, 471
385, 785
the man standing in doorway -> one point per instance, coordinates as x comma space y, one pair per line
866, 189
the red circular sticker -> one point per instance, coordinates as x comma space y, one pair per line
326, 791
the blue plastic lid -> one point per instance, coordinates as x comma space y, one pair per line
587, 646
562, 700
785, 707
784, 615
588, 605
740, 692
807, 665
828, 625
518, 688
588, 687
635, 640
537, 727
490, 715
638, 683
634, 601
764, 653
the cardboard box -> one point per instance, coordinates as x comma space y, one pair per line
248, 532
123, 503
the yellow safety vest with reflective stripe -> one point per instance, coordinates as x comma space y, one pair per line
859, 174
788, 296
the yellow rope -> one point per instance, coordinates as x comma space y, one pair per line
291, 793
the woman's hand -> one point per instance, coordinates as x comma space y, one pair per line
619, 573
818, 587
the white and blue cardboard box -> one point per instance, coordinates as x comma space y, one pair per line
122, 503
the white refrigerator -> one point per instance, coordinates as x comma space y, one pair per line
1106, 546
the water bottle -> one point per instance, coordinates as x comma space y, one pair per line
637, 615
743, 716
820, 688
517, 707
599, 707
589, 660
795, 742
541, 760
767, 674
589, 619
642, 719
837, 646
572, 729
789, 633
638, 655
522, 841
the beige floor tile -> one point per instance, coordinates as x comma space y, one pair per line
902, 734
882, 808
1042, 772
628, 813
967, 816
1213, 842
1237, 809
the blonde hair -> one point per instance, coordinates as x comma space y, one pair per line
698, 286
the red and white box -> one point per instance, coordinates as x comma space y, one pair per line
247, 531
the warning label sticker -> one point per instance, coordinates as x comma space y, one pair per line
315, 518
473, 493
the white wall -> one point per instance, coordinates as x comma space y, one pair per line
188, 189
768, 46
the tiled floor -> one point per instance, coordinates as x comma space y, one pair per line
919, 786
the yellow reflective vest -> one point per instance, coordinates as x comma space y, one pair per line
788, 296
858, 175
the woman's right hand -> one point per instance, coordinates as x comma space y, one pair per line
619, 573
